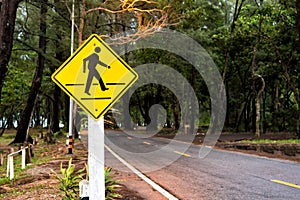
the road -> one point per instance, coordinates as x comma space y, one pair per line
220, 175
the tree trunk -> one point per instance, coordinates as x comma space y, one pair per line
22, 133
147, 105
8, 121
157, 99
48, 114
255, 75
264, 120
253, 116
193, 107
247, 115
66, 113
56, 110
7, 25
298, 17
298, 95
81, 24
141, 107
59, 56
257, 105
274, 107
237, 10
126, 112
177, 115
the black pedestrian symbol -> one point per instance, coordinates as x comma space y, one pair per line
93, 61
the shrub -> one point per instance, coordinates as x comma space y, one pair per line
110, 185
69, 181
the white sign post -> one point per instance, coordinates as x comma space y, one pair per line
96, 101
96, 159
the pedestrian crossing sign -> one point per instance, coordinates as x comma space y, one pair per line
95, 77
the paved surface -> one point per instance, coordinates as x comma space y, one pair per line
221, 175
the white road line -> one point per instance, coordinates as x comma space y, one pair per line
142, 176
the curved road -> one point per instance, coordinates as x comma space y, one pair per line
222, 175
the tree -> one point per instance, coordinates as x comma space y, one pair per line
59, 55
139, 18
7, 25
297, 93
23, 129
245, 50
257, 77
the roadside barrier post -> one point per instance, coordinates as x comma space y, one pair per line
1, 159
7, 165
70, 147
79, 135
84, 190
23, 157
10, 162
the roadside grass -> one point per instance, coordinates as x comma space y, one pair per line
261, 141
40, 157
7, 137
18, 176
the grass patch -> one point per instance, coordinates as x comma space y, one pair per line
7, 137
4, 180
17, 170
261, 141
40, 155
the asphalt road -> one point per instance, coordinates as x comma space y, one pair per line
221, 175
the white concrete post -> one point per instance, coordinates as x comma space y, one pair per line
23, 157
96, 159
83, 189
1, 159
11, 167
7, 170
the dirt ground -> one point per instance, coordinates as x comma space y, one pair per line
38, 181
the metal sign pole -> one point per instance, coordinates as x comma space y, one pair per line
70, 138
96, 159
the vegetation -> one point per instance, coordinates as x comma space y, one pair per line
290, 141
69, 180
42, 155
255, 44
111, 185
68, 177
39, 153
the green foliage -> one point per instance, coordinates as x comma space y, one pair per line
229, 38
69, 180
110, 185
59, 134
290, 141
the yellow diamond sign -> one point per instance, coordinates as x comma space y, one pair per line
95, 76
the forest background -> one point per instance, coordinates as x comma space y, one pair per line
254, 43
